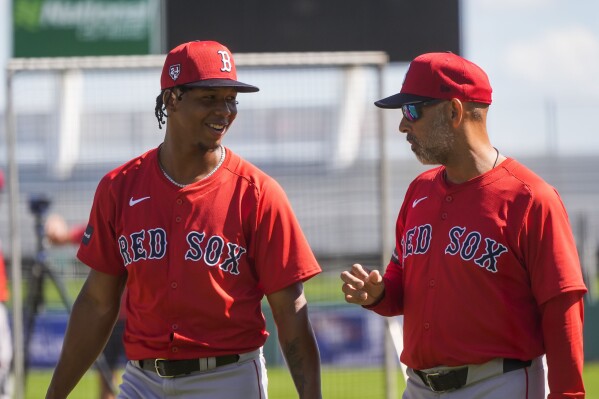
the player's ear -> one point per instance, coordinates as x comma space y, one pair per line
168, 98
457, 112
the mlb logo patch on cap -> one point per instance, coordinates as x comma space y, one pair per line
174, 71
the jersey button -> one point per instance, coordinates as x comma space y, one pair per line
174, 349
174, 285
178, 219
427, 326
449, 198
444, 215
175, 326
179, 201
431, 283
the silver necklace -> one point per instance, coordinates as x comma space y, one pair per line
496, 158
220, 162
445, 171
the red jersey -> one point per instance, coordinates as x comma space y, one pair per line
474, 262
199, 259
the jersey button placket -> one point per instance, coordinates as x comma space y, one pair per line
178, 218
448, 200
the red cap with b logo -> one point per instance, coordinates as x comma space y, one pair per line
201, 64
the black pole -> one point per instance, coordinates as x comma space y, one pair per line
38, 205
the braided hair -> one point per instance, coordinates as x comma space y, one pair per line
160, 109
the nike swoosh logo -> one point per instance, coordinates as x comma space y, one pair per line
416, 202
137, 201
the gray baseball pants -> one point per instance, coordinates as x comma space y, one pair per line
244, 379
486, 381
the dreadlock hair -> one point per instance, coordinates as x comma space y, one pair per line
160, 109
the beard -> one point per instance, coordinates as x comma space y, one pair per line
436, 146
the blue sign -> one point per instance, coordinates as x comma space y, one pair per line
347, 336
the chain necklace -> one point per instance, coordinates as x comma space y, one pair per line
496, 158
220, 162
493, 167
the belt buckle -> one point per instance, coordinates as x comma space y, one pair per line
430, 381
157, 368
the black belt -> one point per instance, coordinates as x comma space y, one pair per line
454, 379
173, 368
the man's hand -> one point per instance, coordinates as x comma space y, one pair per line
361, 286
57, 230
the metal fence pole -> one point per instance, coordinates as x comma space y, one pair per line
386, 242
15, 240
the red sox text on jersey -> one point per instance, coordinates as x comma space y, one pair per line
468, 245
152, 244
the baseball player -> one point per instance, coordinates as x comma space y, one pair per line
485, 267
198, 236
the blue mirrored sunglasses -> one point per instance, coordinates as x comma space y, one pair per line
413, 111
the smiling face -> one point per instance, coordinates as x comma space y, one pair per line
202, 116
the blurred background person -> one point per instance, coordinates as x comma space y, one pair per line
60, 233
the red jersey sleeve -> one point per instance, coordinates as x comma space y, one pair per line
97, 249
552, 257
76, 233
392, 303
282, 255
563, 318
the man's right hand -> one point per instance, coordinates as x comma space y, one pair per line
361, 286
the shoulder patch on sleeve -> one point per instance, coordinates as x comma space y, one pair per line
87, 235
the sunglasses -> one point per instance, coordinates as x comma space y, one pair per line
413, 111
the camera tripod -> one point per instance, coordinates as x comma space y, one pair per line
40, 270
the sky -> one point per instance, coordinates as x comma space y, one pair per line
549, 46
542, 58
540, 55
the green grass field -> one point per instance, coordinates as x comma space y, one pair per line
337, 383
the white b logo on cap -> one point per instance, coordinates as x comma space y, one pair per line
174, 71
226, 59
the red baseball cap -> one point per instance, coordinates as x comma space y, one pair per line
201, 64
441, 76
